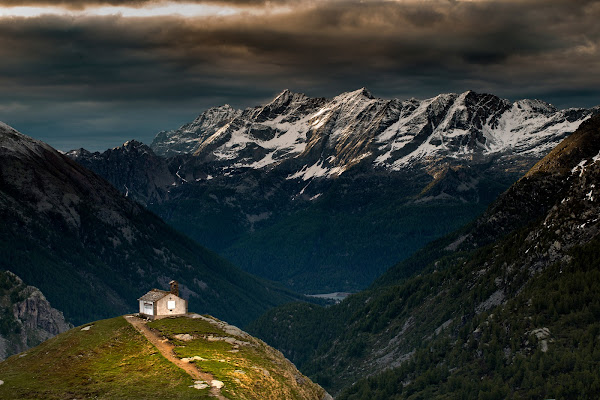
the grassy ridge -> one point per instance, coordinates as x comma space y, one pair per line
111, 360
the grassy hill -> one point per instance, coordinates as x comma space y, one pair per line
110, 359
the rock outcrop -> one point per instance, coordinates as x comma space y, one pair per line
28, 319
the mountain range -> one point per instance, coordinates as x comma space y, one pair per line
507, 306
289, 190
318, 137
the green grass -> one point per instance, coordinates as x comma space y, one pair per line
249, 371
192, 326
112, 360
109, 361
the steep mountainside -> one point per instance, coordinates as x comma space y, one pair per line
289, 190
93, 252
110, 359
133, 169
26, 318
506, 307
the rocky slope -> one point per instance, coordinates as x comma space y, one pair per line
27, 318
402, 173
133, 168
93, 252
110, 359
509, 298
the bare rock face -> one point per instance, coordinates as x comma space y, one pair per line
35, 312
27, 319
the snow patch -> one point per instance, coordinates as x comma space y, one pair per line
580, 166
316, 170
179, 176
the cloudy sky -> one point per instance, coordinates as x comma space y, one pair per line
95, 73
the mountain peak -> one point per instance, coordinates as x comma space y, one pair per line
362, 92
286, 96
13, 141
535, 105
355, 125
365, 92
133, 144
284, 93
76, 153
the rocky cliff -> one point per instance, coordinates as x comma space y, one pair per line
27, 318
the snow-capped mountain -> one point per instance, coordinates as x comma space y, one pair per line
291, 189
317, 137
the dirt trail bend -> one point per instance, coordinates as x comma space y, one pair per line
166, 349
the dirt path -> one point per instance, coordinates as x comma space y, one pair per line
166, 349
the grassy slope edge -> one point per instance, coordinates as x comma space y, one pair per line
110, 359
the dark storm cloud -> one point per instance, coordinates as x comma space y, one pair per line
82, 4
396, 48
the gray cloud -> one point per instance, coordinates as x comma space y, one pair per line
546, 49
82, 4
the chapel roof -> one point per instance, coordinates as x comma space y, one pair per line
154, 295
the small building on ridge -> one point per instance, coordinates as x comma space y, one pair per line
161, 303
